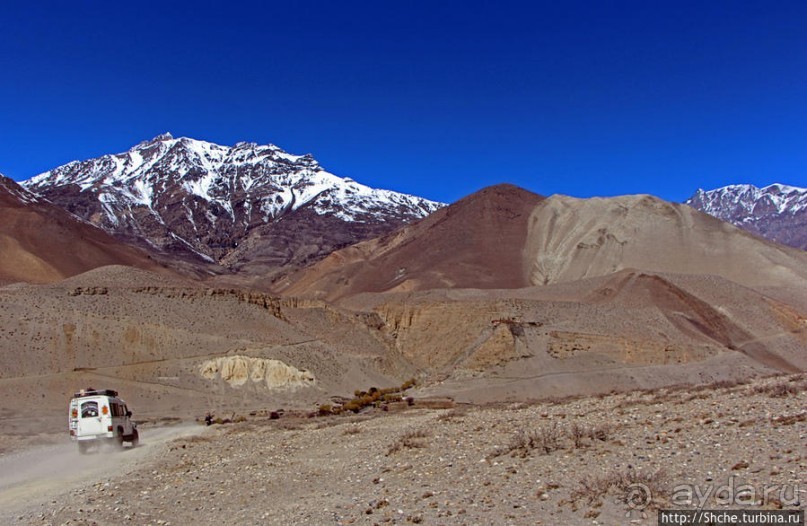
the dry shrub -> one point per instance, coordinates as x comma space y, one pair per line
289, 424
726, 384
694, 392
789, 420
578, 434
455, 413
602, 432
549, 438
414, 438
545, 439
781, 389
630, 485
352, 430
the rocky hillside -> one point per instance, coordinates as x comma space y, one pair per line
777, 212
226, 204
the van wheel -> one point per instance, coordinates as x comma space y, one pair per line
119, 438
83, 447
135, 437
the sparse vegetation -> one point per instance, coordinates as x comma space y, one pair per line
453, 414
781, 389
788, 420
352, 430
601, 432
372, 397
630, 485
545, 439
551, 437
577, 433
569, 464
411, 439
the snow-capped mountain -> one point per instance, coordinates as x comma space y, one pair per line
185, 194
777, 212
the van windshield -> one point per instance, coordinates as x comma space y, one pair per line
89, 409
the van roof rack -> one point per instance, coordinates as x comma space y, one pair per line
95, 392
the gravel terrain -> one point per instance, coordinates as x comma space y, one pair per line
572, 461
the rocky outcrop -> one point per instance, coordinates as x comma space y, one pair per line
272, 374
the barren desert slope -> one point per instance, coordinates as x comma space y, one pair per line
504, 237
475, 243
502, 296
42, 243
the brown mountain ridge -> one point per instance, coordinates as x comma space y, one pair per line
476, 242
505, 237
42, 243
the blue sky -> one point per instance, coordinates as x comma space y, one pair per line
433, 98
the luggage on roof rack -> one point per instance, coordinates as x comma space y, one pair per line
95, 392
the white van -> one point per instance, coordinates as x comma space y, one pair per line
99, 416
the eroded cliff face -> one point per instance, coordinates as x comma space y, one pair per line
191, 346
482, 338
434, 336
271, 374
629, 321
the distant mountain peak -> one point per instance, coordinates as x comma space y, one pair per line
159, 138
188, 194
777, 211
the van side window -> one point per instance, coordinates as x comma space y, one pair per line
89, 409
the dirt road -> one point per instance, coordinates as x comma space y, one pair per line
35, 476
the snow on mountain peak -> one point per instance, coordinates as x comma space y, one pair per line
200, 186
741, 202
777, 211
